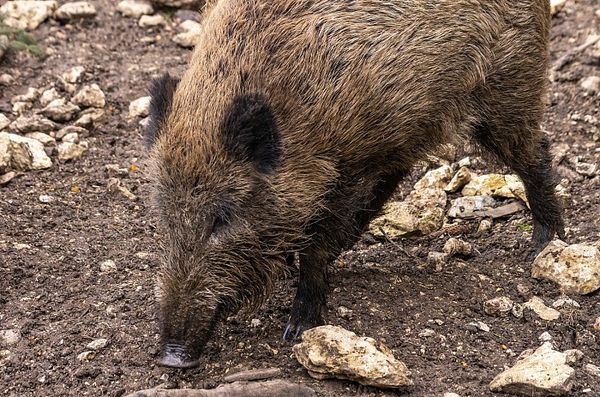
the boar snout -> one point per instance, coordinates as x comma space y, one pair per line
177, 355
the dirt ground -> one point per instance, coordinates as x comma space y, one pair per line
52, 289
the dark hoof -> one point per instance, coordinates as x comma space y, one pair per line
294, 329
176, 356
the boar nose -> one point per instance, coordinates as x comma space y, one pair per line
175, 355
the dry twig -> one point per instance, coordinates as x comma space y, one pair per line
271, 388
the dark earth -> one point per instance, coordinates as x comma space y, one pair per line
52, 289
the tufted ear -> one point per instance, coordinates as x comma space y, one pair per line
161, 93
250, 133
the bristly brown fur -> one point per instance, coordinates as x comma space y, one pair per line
352, 93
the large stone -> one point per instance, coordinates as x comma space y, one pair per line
576, 267
25, 153
420, 214
35, 123
75, 10
60, 110
135, 8
495, 185
139, 107
538, 306
333, 352
466, 207
190, 33
541, 374
90, 96
436, 179
26, 14
45, 139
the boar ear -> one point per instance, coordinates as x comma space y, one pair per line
161, 94
250, 133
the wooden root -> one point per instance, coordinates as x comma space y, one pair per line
271, 388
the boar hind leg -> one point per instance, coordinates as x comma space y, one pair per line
330, 237
526, 150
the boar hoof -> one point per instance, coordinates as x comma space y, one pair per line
176, 356
293, 330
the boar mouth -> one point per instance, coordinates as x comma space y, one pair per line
176, 355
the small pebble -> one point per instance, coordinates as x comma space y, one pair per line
108, 266
97, 344
46, 199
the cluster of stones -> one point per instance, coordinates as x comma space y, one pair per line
47, 121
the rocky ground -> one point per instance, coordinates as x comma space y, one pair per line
77, 252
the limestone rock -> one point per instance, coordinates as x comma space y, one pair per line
74, 74
60, 110
496, 185
30, 96
541, 374
544, 312
464, 207
437, 178
97, 344
89, 117
135, 8
4, 121
70, 150
330, 351
9, 337
90, 96
498, 306
576, 267
45, 139
190, 32
25, 153
26, 14
139, 107
421, 213
48, 96
591, 84
459, 180
72, 137
147, 21
35, 123
75, 10
71, 129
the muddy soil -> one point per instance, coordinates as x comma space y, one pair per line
52, 289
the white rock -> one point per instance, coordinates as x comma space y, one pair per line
576, 267
592, 369
40, 136
25, 153
420, 214
74, 74
90, 96
436, 179
86, 355
566, 302
586, 169
495, 185
484, 225
9, 337
70, 130
108, 266
26, 14
140, 107
45, 199
556, 6
459, 180
464, 207
498, 306
6, 79
97, 344
48, 96
189, 35
478, 325
72, 137
21, 107
135, 8
34, 123
60, 110
30, 96
545, 337
74, 10
89, 117
591, 84
450, 395
541, 374
4, 121
537, 305
70, 150
330, 351
152, 20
